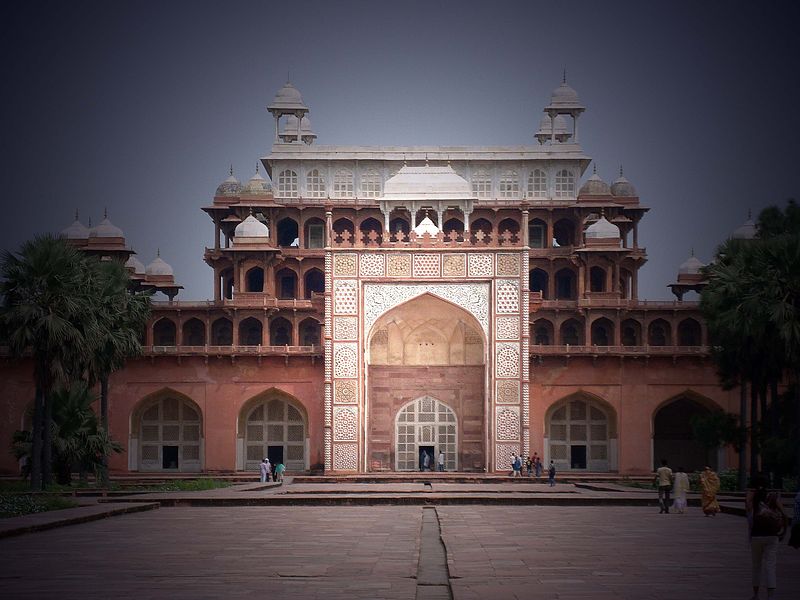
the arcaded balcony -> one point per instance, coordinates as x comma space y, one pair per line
450, 239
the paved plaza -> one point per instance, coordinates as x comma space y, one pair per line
496, 552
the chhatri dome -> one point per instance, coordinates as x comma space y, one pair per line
747, 231
288, 99
135, 265
251, 227
229, 187
257, 184
76, 231
594, 186
106, 229
158, 266
691, 266
622, 187
602, 229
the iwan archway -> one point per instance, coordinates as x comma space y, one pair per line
426, 387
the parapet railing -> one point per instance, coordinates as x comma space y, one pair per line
615, 303
231, 350
569, 349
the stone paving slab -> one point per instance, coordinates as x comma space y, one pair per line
68, 516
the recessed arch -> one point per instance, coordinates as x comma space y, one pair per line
286, 282
564, 232
602, 331
425, 425
314, 282
542, 332
310, 332
254, 280
581, 433
659, 333
287, 232
566, 284
194, 332
571, 333
689, 333
164, 332
280, 332
631, 332
250, 332
673, 435
537, 281
222, 332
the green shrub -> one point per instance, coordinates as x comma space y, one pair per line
15, 505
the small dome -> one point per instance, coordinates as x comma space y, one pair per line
564, 97
288, 98
135, 265
257, 184
622, 187
76, 231
544, 125
594, 186
602, 229
106, 229
289, 133
251, 227
426, 226
229, 187
158, 267
691, 266
746, 231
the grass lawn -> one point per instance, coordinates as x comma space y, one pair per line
15, 505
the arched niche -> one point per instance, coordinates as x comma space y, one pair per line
673, 434
194, 332
164, 332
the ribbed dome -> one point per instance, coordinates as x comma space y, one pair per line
594, 186
257, 184
158, 267
746, 231
135, 265
622, 187
106, 229
426, 226
288, 98
691, 266
229, 187
427, 183
564, 97
76, 231
602, 229
251, 227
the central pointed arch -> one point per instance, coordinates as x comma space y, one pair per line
425, 425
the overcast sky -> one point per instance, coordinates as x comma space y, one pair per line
142, 106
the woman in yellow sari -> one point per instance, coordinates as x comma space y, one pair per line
709, 482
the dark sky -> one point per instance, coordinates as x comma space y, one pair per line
141, 106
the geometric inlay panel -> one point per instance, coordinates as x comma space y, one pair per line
507, 300
507, 359
371, 265
454, 265
426, 265
345, 457
344, 265
507, 423
480, 265
399, 265
507, 328
346, 328
345, 391
345, 424
508, 265
472, 297
503, 454
507, 391
345, 363
345, 297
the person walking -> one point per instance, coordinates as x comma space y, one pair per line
279, 469
440, 462
529, 465
264, 470
551, 474
537, 465
767, 523
679, 489
709, 482
664, 483
426, 461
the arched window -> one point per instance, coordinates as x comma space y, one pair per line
399, 229
250, 332
369, 225
572, 333
254, 280
194, 333
426, 425
485, 227
309, 332
371, 185
286, 282
631, 333
315, 184
659, 333
673, 434
689, 333
602, 332
343, 184
314, 282
222, 332
169, 434
287, 232
164, 332
537, 184
482, 184
315, 233
579, 434
597, 279
343, 230
542, 332
537, 282
454, 230
509, 185
509, 228
226, 283
565, 184
537, 234
565, 284
564, 232
275, 428
287, 184
280, 332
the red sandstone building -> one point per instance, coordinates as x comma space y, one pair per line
372, 303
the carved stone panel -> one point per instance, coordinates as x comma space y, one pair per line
344, 265
481, 265
372, 265
345, 297
454, 265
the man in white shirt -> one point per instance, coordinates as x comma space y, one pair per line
664, 482
441, 461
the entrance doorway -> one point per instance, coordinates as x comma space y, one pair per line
578, 457
426, 425
429, 450
275, 454
169, 458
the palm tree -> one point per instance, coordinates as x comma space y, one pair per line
42, 299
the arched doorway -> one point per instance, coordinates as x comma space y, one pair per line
673, 437
433, 351
426, 425
274, 427
581, 435
167, 431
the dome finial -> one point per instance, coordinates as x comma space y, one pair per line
256, 166
158, 252
231, 170
76, 214
692, 250
105, 212
594, 169
564, 79
620, 170
749, 214
89, 225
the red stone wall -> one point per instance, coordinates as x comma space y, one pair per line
459, 387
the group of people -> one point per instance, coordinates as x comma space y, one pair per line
268, 471
677, 484
426, 460
532, 465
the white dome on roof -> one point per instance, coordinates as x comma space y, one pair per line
564, 97
288, 98
594, 186
106, 229
135, 265
427, 183
746, 231
158, 267
602, 229
76, 231
426, 226
229, 187
622, 187
257, 184
251, 227
691, 266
